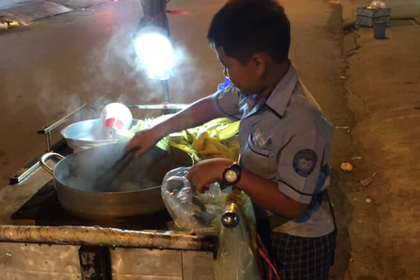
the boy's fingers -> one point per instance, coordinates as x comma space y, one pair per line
191, 174
202, 188
134, 143
130, 145
196, 181
139, 153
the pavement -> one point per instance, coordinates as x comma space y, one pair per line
26, 11
400, 9
73, 4
30, 12
384, 95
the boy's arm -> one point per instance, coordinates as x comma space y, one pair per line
299, 165
264, 192
268, 194
196, 114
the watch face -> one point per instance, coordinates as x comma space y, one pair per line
231, 176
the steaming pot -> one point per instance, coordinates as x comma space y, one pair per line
135, 191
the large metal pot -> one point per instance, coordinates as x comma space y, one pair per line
135, 191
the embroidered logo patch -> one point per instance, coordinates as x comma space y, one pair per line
258, 138
304, 162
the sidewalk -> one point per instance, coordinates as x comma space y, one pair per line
400, 9
7, 4
73, 4
30, 10
384, 95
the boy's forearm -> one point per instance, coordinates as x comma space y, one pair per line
198, 113
266, 192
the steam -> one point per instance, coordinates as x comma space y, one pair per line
50, 97
114, 73
82, 170
121, 67
188, 78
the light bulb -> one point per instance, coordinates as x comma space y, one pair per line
155, 51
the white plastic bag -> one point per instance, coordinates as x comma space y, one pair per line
237, 247
237, 252
188, 208
377, 4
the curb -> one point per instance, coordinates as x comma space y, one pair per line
347, 16
348, 21
350, 45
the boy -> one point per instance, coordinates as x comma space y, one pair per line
284, 138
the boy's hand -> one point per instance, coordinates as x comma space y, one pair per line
207, 172
144, 140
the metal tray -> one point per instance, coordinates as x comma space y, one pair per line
87, 134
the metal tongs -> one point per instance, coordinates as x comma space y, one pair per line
111, 173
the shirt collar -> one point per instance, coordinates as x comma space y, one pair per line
280, 96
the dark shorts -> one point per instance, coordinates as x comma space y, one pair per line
303, 258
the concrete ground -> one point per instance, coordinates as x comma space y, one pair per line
56, 64
400, 9
74, 4
384, 94
6, 4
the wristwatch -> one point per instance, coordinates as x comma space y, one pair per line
232, 174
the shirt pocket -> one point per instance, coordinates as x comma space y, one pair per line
256, 159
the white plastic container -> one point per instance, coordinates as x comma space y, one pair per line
115, 116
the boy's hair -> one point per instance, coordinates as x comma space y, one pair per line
243, 27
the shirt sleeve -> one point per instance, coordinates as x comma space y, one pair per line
227, 102
299, 162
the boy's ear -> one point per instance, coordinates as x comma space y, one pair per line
260, 65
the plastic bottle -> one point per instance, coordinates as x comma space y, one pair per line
115, 116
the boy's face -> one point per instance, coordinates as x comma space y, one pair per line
245, 77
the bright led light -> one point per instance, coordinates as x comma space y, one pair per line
155, 50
